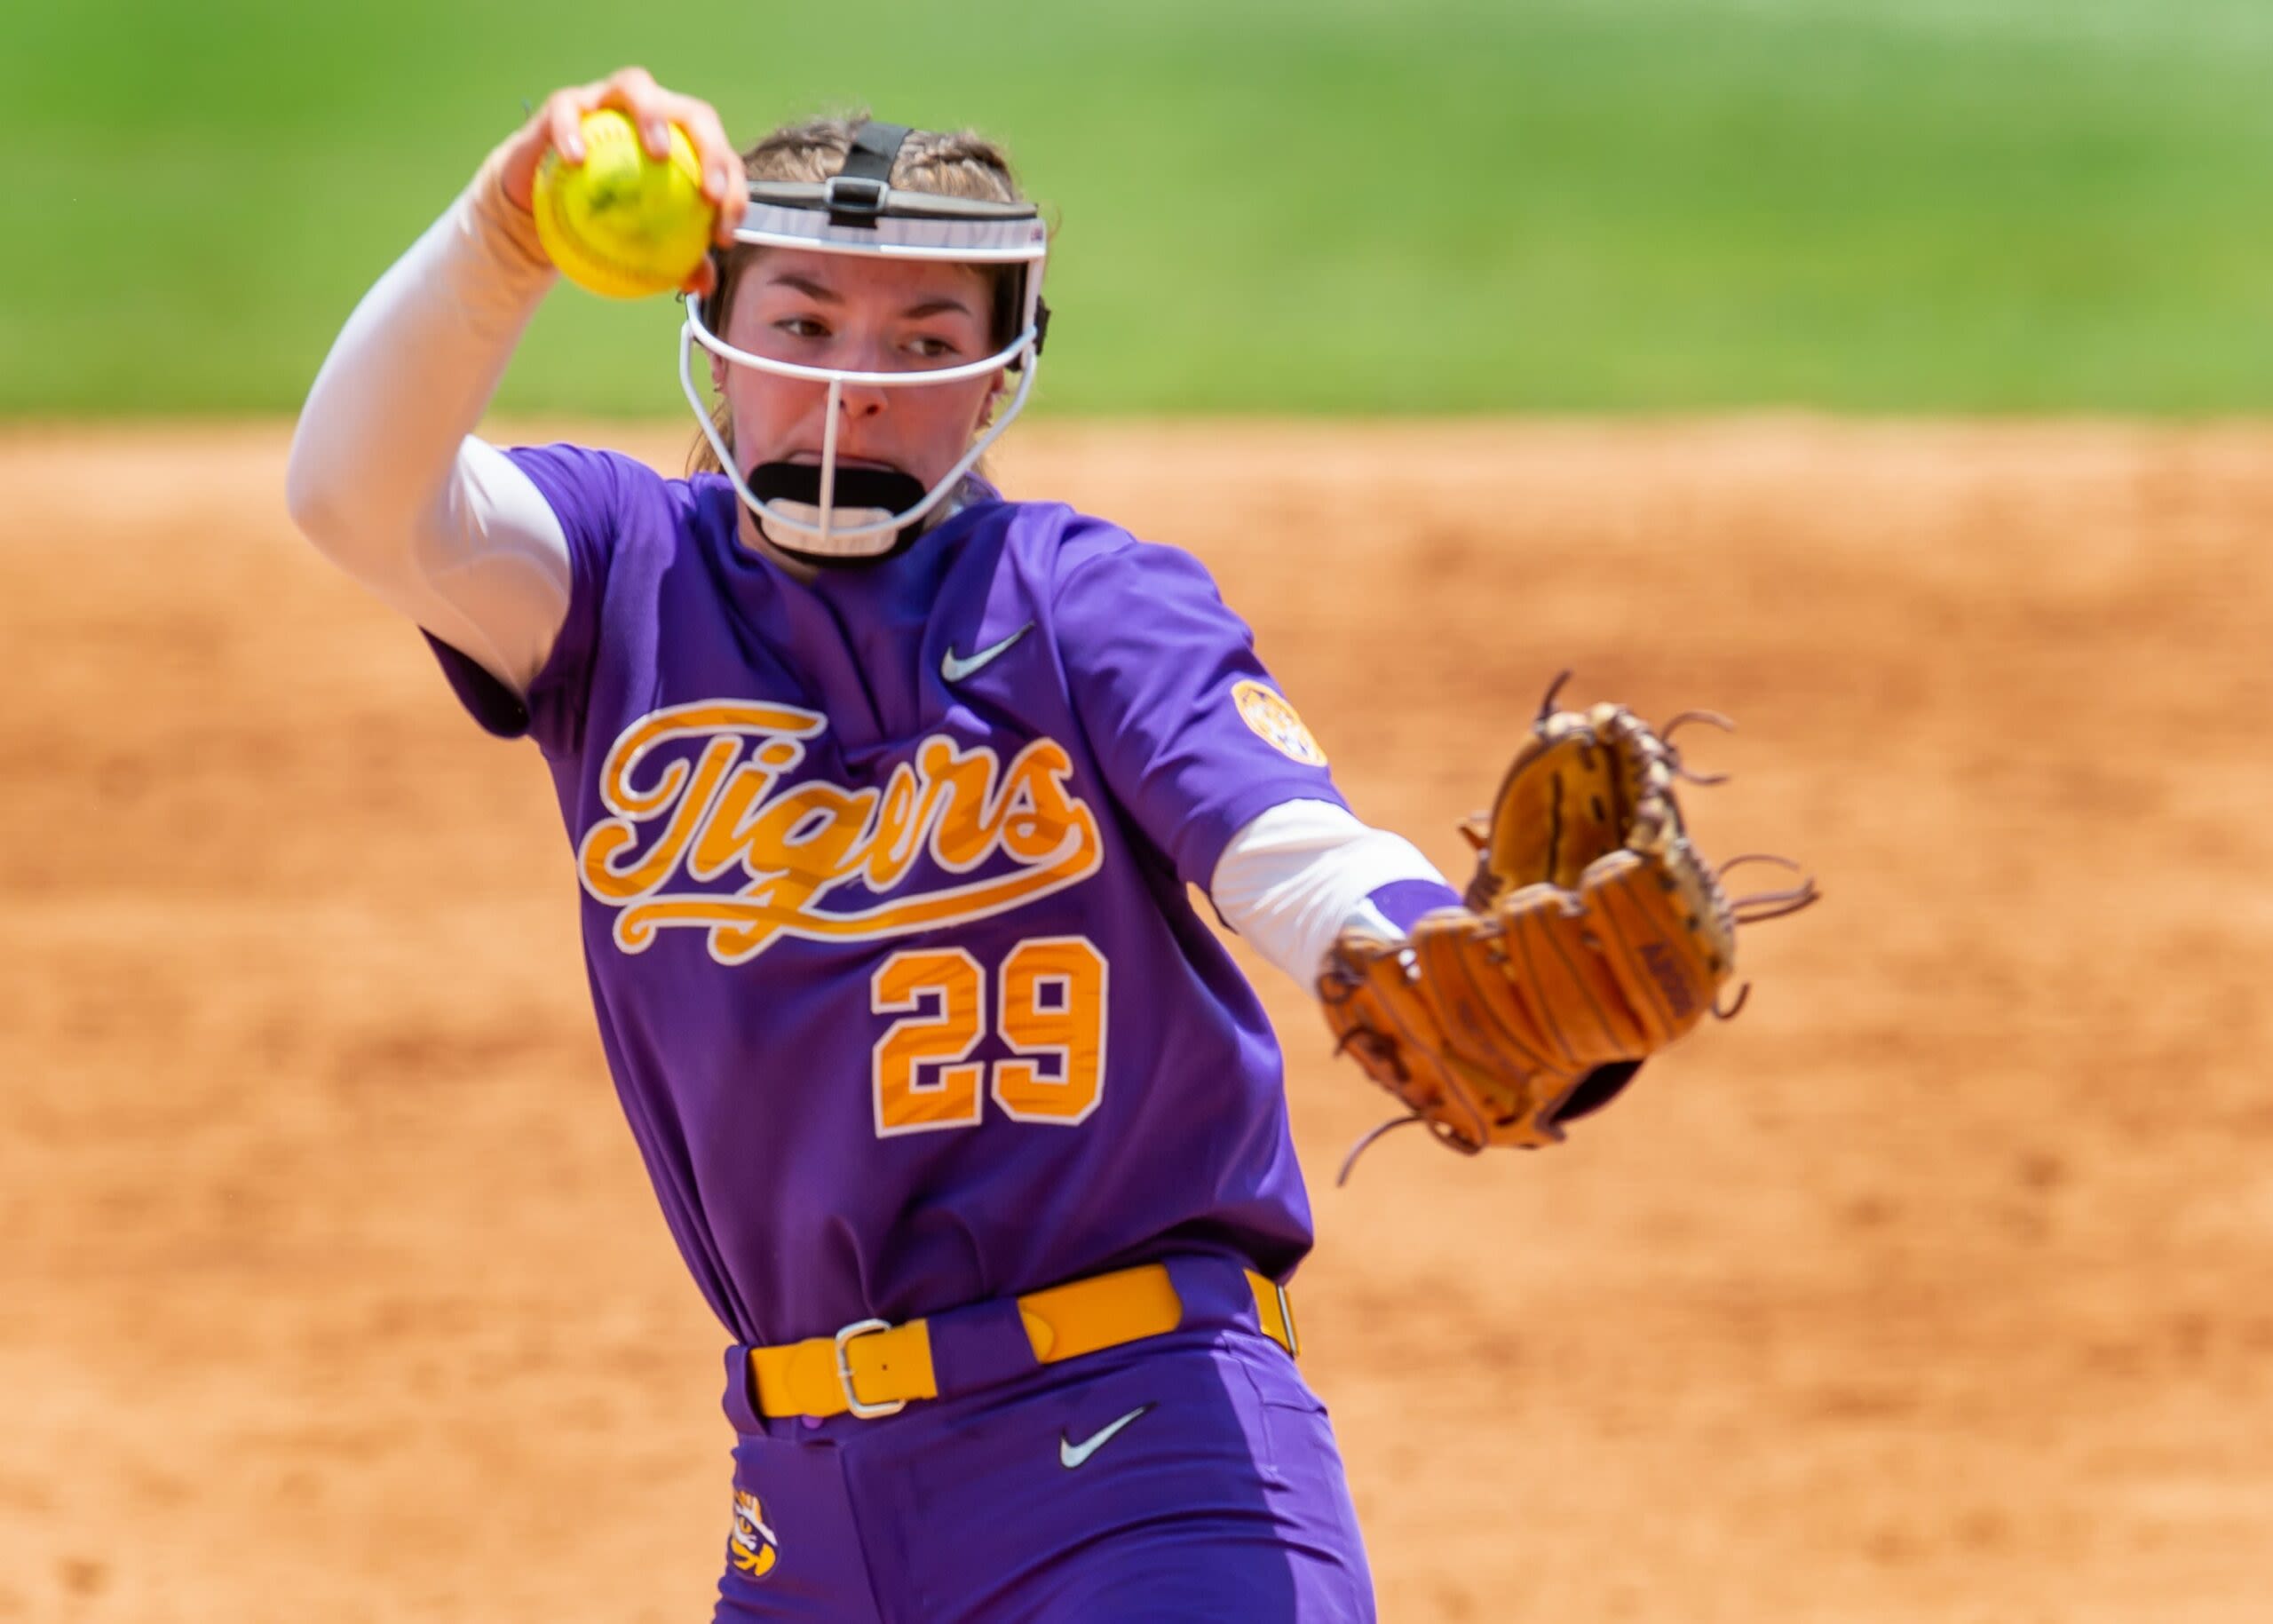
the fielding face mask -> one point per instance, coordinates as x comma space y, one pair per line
823, 511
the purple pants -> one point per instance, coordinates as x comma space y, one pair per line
1188, 1477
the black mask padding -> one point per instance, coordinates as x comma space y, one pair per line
885, 489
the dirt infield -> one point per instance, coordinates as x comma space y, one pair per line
1935, 1287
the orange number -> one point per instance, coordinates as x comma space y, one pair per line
1052, 994
905, 1102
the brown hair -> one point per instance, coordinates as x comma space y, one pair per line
953, 163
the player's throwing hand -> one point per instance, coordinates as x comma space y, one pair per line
556, 127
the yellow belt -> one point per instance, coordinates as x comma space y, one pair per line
872, 1368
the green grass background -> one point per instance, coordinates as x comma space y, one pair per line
1410, 206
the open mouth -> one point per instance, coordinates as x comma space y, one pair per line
861, 491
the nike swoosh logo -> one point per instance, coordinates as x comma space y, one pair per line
955, 670
1071, 1455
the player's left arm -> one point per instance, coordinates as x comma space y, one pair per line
1194, 738
1216, 767
1305, 871
1202, 749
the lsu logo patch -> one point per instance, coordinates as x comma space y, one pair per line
752, 1549
1275, 723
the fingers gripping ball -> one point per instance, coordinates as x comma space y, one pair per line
621, 223
1592, 936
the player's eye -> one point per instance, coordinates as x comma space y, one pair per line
801, 326
930, 347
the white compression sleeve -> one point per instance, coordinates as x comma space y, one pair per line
1291, 879
385, 477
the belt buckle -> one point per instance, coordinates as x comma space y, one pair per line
858, 1328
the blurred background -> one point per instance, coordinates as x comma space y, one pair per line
1889, 374
1314, 206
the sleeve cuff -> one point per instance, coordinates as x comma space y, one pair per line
1402, 902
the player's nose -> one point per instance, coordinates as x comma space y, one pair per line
868, 353
857, 400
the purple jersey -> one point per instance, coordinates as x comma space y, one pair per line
883, 897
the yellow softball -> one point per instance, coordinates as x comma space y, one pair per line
621, 223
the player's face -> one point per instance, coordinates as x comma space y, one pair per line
859, 314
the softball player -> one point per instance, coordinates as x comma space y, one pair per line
883, 792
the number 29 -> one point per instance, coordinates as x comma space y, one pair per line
1050, 1003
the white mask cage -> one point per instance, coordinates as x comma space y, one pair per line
857, 214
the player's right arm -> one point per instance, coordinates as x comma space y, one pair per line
386, 476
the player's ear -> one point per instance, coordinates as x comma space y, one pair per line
718, 373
